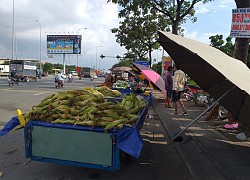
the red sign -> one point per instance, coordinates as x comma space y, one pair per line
78, 69
240, 23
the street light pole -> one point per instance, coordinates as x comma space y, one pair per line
96, 56
40, 46
81, 46
13, 28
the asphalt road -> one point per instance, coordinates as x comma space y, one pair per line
14, 165
31, 93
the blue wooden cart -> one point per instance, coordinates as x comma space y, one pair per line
83, 146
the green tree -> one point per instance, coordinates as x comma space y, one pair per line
176, 11
218, 42
123, 62
47, 67
138, 34
142, 19
228, 47
70, 68
58, 66
157, 67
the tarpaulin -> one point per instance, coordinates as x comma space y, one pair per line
14, 122
128, 139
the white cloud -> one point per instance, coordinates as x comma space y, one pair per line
202, 10
60, 17
98, 16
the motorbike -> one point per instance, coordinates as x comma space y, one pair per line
223, 113
189, 92
201, 98
13, 81
70, 79
59, 83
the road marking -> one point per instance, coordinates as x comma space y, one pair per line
38, 94
32, 91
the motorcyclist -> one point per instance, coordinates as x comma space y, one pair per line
13, 75
92, 77
70, 77
59, 77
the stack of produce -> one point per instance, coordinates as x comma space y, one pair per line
107, 91
87, 107
120, 84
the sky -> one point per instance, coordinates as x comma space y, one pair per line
92, 19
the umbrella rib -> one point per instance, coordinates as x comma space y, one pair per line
197, 118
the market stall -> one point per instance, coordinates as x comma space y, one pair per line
79, 144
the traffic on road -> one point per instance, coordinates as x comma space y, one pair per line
14, 164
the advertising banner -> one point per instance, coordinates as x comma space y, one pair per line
64, 44
240, 27
166, 61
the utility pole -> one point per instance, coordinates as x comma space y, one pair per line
40, 56
81, 46
96, 56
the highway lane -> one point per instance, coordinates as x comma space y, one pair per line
14, 164
31, 93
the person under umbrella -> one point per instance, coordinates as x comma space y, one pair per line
179, 80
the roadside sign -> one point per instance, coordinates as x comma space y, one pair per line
240, 23
141, 62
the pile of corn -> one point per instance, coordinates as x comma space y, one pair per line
107, 91
87, 107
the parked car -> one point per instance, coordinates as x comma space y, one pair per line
73, 73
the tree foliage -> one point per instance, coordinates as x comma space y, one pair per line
123, 62
47, 67
227, 47
218, 42
175, 11
138, 34
143, 18
157, 67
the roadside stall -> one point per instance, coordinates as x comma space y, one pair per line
93, 137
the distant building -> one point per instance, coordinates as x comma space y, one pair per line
2, 61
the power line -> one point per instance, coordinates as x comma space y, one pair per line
206, 15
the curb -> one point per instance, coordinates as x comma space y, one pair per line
199, 163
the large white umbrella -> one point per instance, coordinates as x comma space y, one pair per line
223, 77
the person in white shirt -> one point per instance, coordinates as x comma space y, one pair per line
59, 77
179, 80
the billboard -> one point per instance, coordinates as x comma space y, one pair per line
64, 44
166, 61
240, 23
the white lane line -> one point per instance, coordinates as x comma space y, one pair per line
38, 94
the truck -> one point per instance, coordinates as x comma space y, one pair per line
25, 69
87, 72
4, 70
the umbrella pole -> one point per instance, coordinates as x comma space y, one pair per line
178, 138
